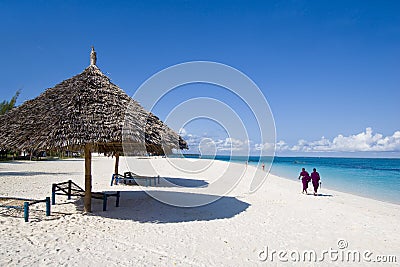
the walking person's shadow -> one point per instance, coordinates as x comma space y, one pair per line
319, 195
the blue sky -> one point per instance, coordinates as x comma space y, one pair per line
329, 69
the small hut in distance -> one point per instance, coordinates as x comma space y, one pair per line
86, 112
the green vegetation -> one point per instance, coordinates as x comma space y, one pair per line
8, 105
4, 107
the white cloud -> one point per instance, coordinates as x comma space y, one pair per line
265, 146
232, 144
363, 142
282, 145
182, 132
366, 141
209, 145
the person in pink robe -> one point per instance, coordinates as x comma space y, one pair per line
315, 180
305, 179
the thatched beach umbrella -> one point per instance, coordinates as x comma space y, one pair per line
86, 112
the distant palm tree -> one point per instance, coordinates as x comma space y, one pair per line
9, 105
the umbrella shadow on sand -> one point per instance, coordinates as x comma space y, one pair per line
173, 182
14, 162
141, 207
183, 182
28, 174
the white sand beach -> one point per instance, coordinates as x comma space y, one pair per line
236, 230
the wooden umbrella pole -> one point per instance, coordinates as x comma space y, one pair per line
116, 163
88, 179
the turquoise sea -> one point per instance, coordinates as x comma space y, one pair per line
377, 178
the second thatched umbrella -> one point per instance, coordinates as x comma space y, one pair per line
86, 112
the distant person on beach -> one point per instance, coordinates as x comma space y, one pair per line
263, 166
305, 179
315, 180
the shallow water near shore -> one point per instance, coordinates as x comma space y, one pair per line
376, 178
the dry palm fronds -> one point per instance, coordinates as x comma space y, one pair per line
85, 109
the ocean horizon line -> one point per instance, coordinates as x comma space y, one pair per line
280, 156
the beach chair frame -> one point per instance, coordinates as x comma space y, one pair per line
132, 178
13, 203
70, 189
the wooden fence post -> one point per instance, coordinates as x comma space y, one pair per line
69, 189
26, 211
47, 206
53, 194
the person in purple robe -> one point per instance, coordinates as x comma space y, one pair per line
315, 180
305, 179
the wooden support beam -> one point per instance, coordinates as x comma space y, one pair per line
88, 179
116, 163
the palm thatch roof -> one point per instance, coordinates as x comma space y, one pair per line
87, 112
85, 109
